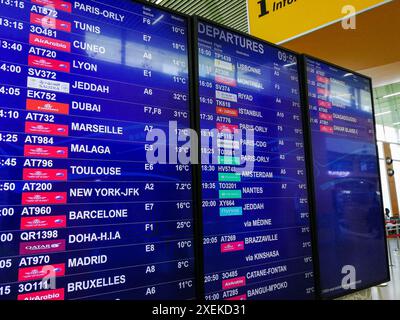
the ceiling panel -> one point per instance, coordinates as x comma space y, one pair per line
231, 13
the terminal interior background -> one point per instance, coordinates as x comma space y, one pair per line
372, 49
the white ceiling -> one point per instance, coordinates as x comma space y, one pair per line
384, 75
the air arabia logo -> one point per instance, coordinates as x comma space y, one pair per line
45, 174
238, 298
233, 283
37, 247
49, 43
45, 106
54, 222
33, 198
51, 64
36, 273
57, 294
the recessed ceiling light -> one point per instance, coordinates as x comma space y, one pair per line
382, 113
391, 95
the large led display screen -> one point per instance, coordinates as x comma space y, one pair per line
348, 203
257, 243
83, 214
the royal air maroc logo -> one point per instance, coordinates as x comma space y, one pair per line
56, 4
41, 198
36, 273
53, 222
45, 174
50, 22
232, 246
45, 152
46, 129
50, 64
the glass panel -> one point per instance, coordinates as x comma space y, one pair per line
395, 148
391, 134
380, 132
385, 186
381, 151
396, 167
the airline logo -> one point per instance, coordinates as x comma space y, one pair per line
49, 85
227, 112
226, 80
228, 144
323, 91
45, 174
54, 222
50, 64
233, 283
232, 246
46, 152
227, 127
46, 129
38, 247
56, 4
323, 79
238, 298
49, 43
50, 23
38, 273
41, 198
224, 65
47, 106
324, 104
56, 294
326, 129
232, 97
325, 116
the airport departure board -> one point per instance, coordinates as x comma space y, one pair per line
83, 214
257, 243
348, 202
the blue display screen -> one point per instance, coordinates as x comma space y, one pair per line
348, 203
257, 243
82, 83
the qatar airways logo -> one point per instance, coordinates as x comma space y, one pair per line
235, 146
27, 248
